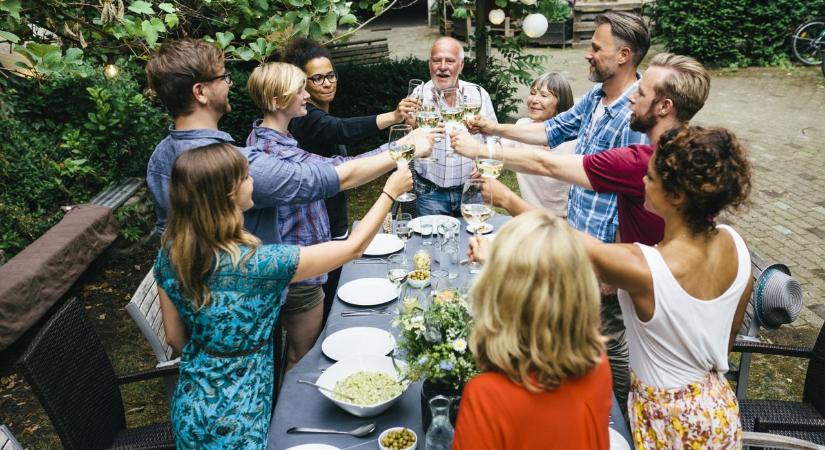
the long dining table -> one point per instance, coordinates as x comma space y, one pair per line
301, 405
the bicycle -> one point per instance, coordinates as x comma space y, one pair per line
808, 42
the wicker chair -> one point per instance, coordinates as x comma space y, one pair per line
7, 440
70, 374
803, 420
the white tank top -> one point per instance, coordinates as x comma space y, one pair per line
687, 337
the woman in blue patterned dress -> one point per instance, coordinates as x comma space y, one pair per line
221, 291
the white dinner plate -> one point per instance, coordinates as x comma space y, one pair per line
313, 447
485, 228
358, 341
436, 220
384, 244
617, 441
367, 292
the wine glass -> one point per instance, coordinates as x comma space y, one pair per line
490, 162
470, 101
401, 153
403, 229
415, 91
451, 114
475, 210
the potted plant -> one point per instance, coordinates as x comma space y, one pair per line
434, 341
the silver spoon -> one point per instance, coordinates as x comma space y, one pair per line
361, 431
331, 391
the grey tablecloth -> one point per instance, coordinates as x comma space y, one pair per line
302, 405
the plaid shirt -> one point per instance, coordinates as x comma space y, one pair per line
587, 210
458, 170
298, 223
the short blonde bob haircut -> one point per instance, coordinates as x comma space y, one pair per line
274, 85
536, 305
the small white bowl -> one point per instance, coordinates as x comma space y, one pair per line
418, 284
351, 365
387, 431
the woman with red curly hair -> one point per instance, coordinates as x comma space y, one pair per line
683, 299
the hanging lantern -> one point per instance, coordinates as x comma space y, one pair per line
534, 25
496, 16
110, 71
529, 2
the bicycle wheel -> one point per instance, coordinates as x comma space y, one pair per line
808, 40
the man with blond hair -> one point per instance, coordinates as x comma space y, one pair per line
673, 89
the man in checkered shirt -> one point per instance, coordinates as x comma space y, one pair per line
438, 183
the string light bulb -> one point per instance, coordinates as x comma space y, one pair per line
111, 71
534, 25
496, 16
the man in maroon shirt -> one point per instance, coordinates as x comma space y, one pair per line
672, 90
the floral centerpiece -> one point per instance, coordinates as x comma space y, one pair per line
434, 340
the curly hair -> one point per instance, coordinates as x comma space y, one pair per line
709, 167
302, 50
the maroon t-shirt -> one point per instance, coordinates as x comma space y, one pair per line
622, 170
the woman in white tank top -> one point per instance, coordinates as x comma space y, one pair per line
683, 299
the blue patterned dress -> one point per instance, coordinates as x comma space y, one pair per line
224, 394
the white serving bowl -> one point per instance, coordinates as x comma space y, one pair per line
351, 365
387, 431
418, 284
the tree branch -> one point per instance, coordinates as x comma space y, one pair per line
348, 33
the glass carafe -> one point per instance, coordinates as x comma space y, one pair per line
449, 250
440, 433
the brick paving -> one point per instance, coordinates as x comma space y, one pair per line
780, 115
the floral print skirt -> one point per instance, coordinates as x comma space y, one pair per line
701, 415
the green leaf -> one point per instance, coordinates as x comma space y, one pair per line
158, 25
247, 32
224, 39
141, 7
348, 19
501, 3
329, 23
296, 3
149, 33
167, 7
302, 28
12, 7
11, 37
460, 13
245, 53
171, 20
73, 55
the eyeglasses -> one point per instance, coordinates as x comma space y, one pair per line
226, 77
318, 79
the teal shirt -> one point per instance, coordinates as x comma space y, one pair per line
223, 398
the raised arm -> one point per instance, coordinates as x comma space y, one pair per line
531, 133
363, 170
322, 258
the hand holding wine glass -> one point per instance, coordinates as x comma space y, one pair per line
490, 161
401, 150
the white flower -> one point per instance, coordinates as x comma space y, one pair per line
460, 345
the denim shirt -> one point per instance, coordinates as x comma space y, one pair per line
587, 210
276, 182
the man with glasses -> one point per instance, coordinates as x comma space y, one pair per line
438, 182
189, 78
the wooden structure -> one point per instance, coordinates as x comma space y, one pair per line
367, 51
585, 11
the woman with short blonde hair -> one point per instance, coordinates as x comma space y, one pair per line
275, 85
546, 380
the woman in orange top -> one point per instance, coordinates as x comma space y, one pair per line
545, 381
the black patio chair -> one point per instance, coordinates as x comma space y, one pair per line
803, 420
73, 378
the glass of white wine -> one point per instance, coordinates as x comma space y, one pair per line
470, 101
451, 113
397, 270
427, 118
490, 162
401, 152
403, 229
475, 210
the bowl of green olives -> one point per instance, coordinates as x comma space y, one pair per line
398, 438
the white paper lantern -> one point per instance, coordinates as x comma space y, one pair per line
529, 2
534, 25
496, 16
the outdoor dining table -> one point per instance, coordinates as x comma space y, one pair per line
303, 406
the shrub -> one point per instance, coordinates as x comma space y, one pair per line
732, 32
65, 138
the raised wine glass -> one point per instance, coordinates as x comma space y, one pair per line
490, 162
470, 101
402, 153
475, 210
451, 114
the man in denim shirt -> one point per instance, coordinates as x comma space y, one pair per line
189, 78
600, 121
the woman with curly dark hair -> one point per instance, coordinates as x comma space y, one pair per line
683, 299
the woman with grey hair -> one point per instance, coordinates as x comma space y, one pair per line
550, 94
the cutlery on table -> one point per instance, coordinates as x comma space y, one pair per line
361, 431
331, 391
370, 261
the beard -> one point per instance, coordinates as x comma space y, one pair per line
643, 123
599, 75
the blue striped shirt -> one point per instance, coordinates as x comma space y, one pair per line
587, 210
